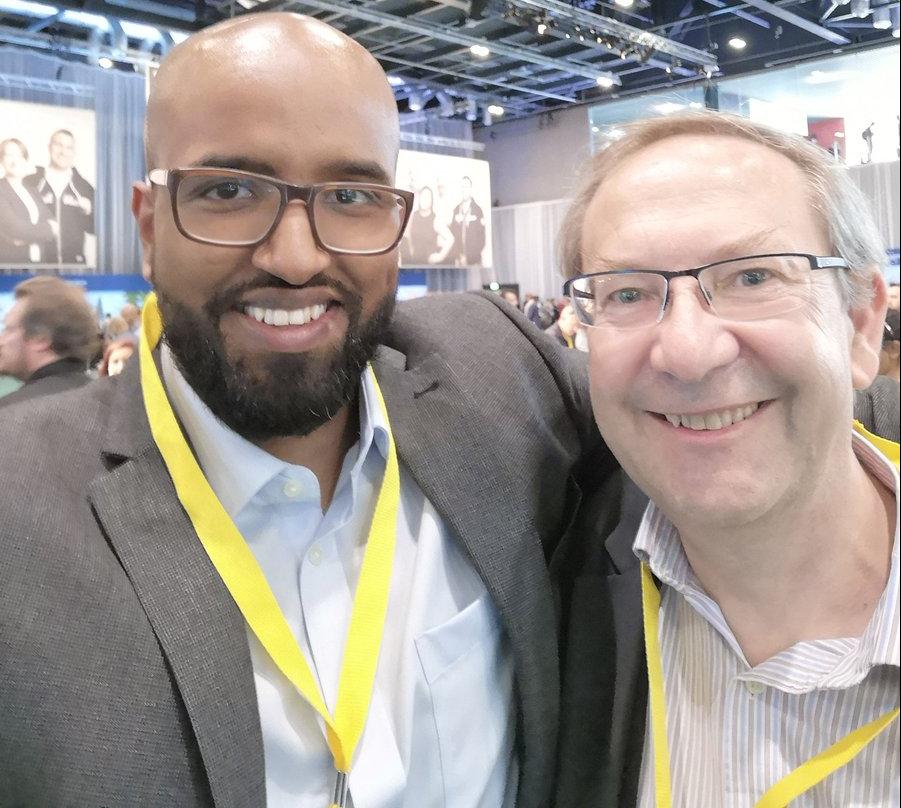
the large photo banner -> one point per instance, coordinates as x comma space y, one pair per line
451, 221
48, 174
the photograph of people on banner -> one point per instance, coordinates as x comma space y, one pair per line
47, 181
451, 221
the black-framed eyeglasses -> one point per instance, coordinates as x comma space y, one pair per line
233, 208
753, 287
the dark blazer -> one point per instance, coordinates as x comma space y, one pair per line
604, 677
74, 222
125, 674
57, 377
17, 232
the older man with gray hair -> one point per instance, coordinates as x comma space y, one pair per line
729, 279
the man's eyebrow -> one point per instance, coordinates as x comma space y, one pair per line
756, 243
361, 171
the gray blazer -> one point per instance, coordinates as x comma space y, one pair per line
125, 674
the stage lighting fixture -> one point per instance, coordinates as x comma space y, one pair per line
446, 105
480, 51
624, 3
542, 28
496, 110
471, 112
415, 102
606, 82
105, 62
860, 8
737, 43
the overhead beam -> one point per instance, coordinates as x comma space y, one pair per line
798, 21
474, 79
445, 35
752, 18
629, 33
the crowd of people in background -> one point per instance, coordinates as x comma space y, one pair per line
51, 339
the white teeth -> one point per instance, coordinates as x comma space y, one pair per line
712, 420
280, 317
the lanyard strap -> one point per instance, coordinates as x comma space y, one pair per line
247, 584
795, 783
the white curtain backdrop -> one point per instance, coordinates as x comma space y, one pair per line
525, 240
881, 184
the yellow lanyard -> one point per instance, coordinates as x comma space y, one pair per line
795, 783
247, 584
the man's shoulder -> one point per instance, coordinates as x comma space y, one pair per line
32, 180
81, 183
61, 429
48, 386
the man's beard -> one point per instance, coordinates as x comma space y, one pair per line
275, 395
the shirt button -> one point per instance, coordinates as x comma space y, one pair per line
754, 688
315, 556
292, 489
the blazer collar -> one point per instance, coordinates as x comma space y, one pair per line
199, 628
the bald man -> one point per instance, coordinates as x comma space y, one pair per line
296, 557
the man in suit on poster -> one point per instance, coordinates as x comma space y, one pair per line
134, 672
468, 229
68, 195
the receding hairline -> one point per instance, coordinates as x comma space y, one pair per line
301, 29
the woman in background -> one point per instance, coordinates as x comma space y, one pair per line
27, 233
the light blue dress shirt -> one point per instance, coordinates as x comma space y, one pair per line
442, 722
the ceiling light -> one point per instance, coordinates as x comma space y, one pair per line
595, 129
542, 27
471, 109
860, 8
396, 81
137, 30
696, 105
667, 108
25, 7
496, 109
882, 19
738, 43
85, 18
479, 51
105, 62
606, 82
415, 102
624, 3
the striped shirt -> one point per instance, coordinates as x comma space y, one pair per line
735, 730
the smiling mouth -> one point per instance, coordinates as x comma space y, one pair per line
717, 419
285, 317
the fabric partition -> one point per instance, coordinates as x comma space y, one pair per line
525, 241
118, 100
881, 184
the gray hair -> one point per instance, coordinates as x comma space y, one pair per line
846, 211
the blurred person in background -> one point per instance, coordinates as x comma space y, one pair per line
28, 231
49, 336
68, 194
115, 355
565, 329
132, 316
894, 297
889, 355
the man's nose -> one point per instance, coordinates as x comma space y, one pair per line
291, 253
691, 341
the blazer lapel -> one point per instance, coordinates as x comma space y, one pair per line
199, 628
451, 456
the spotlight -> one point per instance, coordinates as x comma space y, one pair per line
737, 43
605, 81
395, 81
105, 62
496, 110
480, 51
471, 110
415, 102
446, 105
542, 28
882, 19
624, 3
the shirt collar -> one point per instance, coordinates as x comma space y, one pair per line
658, 544
237, 469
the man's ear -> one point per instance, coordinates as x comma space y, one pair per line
142, 209
869, 324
